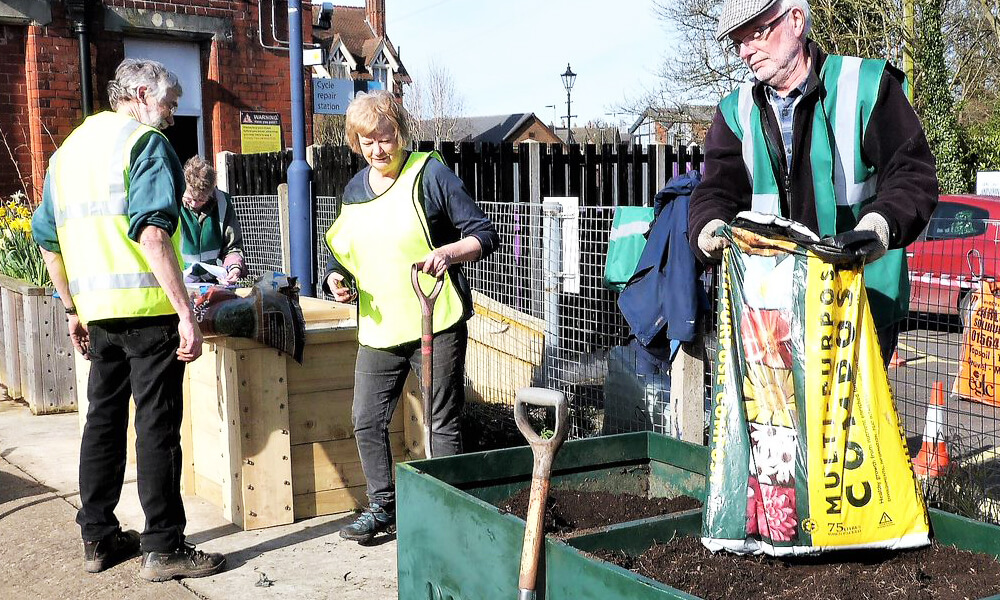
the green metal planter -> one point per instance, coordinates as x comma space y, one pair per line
453, 542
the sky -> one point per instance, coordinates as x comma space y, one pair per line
506, 56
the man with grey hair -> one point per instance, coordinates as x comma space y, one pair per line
109, 232
829, 141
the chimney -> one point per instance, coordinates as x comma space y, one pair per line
375, 15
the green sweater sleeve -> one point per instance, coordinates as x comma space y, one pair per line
155, 187
43, 222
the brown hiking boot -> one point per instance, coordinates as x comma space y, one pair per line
109, 551
182, 562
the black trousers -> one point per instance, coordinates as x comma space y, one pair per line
379, 376
134, 357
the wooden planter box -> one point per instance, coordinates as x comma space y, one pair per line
271, 441
36, 354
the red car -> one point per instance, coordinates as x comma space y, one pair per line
959, 248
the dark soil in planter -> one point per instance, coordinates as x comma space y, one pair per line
933, 573
568, 511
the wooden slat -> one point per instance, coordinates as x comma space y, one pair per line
11, 326
231, 446
64, 361
318, 416
330, 501
188, 468
3, 342
207, 489
308, 480
31, 355
325, 367
321, 464
263, 413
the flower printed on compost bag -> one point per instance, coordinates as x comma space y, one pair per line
766, 337
767, 281
771, 511
774, 451
769, 395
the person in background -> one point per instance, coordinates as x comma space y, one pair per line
829, 141
108, 231
211, 232
405, 207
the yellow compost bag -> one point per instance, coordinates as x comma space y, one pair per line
807, 452
979, 372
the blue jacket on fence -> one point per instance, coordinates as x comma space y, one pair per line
665, 295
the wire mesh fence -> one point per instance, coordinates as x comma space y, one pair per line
262, 238
326, 209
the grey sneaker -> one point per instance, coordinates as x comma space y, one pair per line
373, 520
182, 562
110, 550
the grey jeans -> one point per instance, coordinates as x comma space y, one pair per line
379, 375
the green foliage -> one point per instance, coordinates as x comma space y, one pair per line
984, 143
935, 102
20, 257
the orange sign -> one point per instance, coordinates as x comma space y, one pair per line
979, 371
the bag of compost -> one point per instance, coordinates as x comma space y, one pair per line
807, 453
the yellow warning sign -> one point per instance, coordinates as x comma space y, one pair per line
260, 132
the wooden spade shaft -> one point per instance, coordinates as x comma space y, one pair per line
426, 348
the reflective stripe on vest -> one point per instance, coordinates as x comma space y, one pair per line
842, 181
112, 281
108, 275
378, 241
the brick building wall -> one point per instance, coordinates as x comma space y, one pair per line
40, 92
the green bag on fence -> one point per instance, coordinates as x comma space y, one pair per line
807, 453
626, 243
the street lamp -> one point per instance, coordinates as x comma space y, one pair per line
568, 79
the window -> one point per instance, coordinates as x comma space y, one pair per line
952, 220
380, 71
338, 66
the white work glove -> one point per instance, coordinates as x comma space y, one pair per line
711, 244
877, 223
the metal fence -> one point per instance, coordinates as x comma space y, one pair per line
545, 318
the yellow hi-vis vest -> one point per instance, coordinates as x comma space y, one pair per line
108, 275
378, 241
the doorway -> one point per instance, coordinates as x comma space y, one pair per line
184, 60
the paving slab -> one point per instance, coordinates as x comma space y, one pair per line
41, 555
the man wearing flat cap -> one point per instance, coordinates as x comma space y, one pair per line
829, 141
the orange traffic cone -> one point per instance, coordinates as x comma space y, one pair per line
896, 360
932, 460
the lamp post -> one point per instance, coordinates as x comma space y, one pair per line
568, 79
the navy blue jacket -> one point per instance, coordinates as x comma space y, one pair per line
665, 293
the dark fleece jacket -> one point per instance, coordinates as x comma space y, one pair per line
907, 187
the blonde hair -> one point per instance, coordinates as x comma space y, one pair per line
365, 114
199, 175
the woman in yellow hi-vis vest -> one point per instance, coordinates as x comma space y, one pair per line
405, 207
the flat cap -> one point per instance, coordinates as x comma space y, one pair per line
737, 13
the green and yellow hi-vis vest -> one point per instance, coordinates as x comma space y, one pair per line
202, 240
108, 275
843, 180
378, 241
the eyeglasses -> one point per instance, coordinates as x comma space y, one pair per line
757, 34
